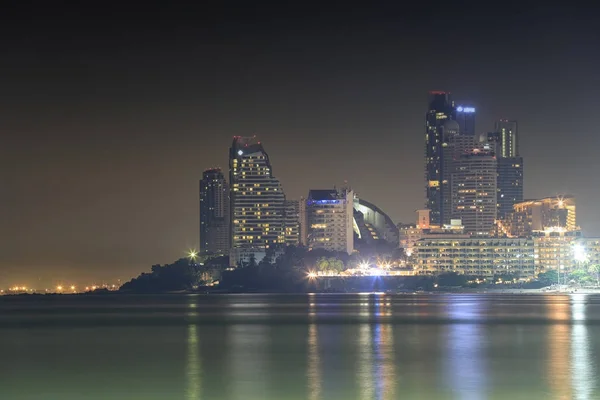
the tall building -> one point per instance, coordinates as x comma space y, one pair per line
465, 116
330, 217
508, 138
291, 223
256, 201
441, 110
455, 146
509, 185
504, 142
303, 222
214, 212
474, 192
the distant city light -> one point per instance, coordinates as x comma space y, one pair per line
579, 253
240, 152
312, 275
465, 109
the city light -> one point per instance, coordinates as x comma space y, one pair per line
192, 254
363, 265
579, 253
312, 275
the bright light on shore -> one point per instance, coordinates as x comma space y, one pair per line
312, 275
579, 253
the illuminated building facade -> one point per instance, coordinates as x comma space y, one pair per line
214, 212
441, 109
474, 192
539, 215
504, 142
375, 224
257, 201
330, 218
291, 223
481, 257
554, 249
465, 116
508, 138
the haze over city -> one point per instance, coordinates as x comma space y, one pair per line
106, 133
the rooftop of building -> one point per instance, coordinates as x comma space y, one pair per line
322, 194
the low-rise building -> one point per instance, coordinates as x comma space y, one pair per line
481, 257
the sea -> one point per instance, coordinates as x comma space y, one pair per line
365, 346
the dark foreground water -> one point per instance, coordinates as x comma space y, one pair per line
284, 347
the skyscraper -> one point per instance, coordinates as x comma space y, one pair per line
256, 201
291, 223
441, 110
508, 138
509, 185
474, 192
504, 142
214, 212
465, 116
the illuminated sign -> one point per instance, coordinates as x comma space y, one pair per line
240, 152
465, 109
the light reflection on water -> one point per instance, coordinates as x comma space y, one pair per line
582, 362
466, 372
317, 347
313, 372
194, 368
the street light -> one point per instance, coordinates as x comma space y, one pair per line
192, 254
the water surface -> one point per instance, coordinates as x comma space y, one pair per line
286, 347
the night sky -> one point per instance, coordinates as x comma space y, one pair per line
110, 115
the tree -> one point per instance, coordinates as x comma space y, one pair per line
323, 264
452, 279
594, 269
336, 265
548, 278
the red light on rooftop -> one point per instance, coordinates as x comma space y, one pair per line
438, 92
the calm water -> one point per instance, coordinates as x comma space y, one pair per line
284, 347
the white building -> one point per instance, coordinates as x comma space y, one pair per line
330, 220
482, 257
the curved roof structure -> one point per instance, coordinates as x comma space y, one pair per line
373, 223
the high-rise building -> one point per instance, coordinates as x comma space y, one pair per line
509, 184
508, 138
441, 110
504, 142
330, 217
256, 201
214, 212
474, 192
303, 222
465, 116
291, 223
455, 146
